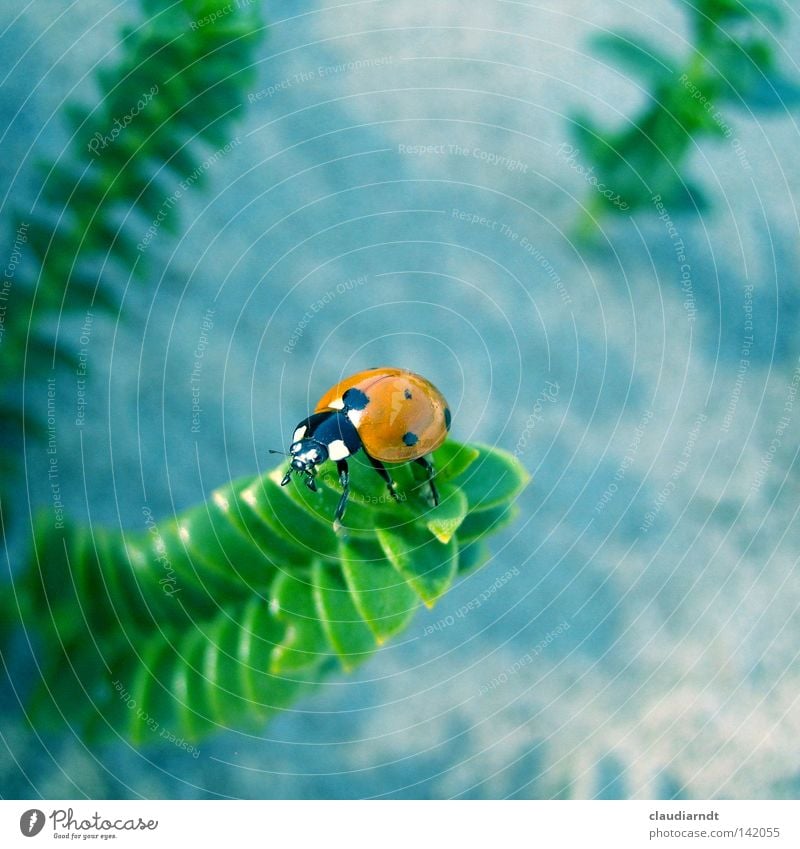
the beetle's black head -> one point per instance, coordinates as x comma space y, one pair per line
306, 455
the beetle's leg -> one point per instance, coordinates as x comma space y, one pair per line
428, 466
344, 480
384, 473
287, 477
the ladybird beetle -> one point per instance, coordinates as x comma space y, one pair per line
393, 415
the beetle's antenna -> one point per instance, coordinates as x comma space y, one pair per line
275, 451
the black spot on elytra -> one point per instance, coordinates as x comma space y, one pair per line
407, 393
355, 399
410, 438
447, 417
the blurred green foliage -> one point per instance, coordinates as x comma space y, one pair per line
228, 613
168, 102
732, 62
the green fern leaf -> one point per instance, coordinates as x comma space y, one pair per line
197, 623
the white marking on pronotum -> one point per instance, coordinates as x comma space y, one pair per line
310, 457
338, 404
355, 416
337, 450
299, 433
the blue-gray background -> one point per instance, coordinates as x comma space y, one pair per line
677, 673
